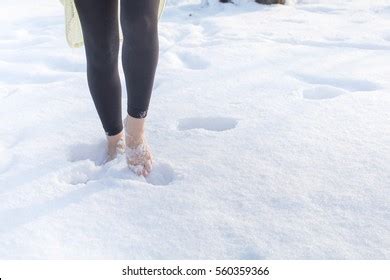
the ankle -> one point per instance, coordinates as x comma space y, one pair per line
115, 138
134, 129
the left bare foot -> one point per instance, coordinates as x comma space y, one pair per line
115, 146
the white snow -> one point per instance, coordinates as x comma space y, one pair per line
270, 126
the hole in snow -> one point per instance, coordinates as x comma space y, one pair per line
213, 124
161, 175
322, 92
84, 151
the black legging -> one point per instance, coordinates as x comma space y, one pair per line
99, 22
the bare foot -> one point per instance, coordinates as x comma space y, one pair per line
115, 146
138, 153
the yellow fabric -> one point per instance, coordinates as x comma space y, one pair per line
74, 35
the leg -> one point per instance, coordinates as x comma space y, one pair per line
99, 22
139, 20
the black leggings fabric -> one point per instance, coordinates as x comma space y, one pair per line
140, 50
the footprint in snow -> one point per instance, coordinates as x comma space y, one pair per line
346, 84
80, 173
210, 123
322, 92
321, 9
192, 61
161, 175
83, 151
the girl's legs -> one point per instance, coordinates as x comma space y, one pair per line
140, 51
99, 22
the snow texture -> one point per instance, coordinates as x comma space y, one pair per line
270, 128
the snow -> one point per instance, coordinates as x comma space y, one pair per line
270, 126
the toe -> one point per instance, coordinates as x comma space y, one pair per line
145, 173
148, 166
137, 169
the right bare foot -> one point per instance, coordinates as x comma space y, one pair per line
138, 152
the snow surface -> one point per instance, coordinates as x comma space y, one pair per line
270, 126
